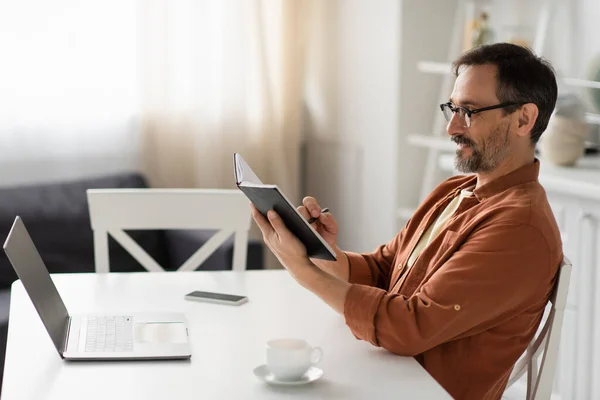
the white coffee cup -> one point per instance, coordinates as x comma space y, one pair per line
289, 359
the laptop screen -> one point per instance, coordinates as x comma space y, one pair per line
34, 275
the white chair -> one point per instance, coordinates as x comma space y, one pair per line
114, 210
540, 380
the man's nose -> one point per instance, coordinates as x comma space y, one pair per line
456, 125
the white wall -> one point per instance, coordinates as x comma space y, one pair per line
585, 25
426, 27
352, 155
368, 104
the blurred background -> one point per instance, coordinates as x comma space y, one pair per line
332, 98
320, 97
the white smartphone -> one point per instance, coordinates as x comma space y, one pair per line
219, 298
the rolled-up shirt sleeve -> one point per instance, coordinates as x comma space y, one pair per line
494, 273
373, 269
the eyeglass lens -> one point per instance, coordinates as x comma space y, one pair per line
462, 115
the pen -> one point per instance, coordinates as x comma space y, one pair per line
323, 211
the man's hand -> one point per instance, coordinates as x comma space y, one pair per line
287, 248
325, 224
292, 255
327, 227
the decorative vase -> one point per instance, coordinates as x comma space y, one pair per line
563, 142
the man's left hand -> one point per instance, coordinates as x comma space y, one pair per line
283, 243
292, 254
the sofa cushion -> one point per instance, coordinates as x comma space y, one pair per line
57, 218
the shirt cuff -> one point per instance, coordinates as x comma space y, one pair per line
360, 309
360, 273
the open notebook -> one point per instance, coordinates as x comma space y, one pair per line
270, 197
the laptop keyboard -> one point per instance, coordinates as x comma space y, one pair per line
111, 333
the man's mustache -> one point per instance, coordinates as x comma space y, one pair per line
461, 139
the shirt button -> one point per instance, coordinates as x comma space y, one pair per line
457, 307
399, 266
483, 198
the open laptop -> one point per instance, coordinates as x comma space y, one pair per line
93, 337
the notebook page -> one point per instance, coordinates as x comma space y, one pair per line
243, 172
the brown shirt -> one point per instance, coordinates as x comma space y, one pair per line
473, 300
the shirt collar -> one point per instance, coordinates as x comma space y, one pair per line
525, 174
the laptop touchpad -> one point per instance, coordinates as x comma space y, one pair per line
160, 332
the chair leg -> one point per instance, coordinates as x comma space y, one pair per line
532, 378
240, 251
101, 255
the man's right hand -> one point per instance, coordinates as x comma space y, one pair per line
327, 227
325, 223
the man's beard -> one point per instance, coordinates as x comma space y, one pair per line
486, 156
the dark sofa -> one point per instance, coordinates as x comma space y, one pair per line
57, 218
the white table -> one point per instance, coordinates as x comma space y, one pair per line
227, 343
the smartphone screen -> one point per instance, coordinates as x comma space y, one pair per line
215, 296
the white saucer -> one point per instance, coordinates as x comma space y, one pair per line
263, 373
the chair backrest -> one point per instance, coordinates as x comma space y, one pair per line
540, 380
114, 210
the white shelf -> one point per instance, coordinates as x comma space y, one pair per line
437, 143
581, 83
592, 118
433, 67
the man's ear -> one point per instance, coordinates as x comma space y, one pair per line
527, 114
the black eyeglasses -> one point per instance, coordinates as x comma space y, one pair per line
465, 114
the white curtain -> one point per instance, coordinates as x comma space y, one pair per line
68, 89
218, 77
85, 85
